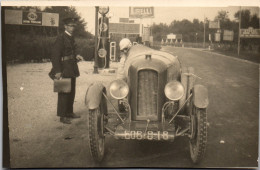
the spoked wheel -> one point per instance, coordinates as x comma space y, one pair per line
96, 133
198, 137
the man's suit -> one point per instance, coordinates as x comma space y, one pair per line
64, 61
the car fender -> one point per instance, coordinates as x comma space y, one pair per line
200, 96
94, 95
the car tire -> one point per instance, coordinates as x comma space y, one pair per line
96, 133
198, 138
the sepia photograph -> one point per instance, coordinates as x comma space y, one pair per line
130, 84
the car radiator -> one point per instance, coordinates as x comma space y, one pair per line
147, 93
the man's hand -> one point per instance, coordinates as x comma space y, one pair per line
79, 58
58, 76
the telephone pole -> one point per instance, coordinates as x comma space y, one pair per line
239, 26
96, 39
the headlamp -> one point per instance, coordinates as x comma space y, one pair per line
118, 89
174, 90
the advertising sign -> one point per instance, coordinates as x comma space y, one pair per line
124, 28
146, 34
13, 17
32, 18
214, 24
217, 37
50, 19
141, 12
250, 33
171, 36
124, 20
19, 17
228, 35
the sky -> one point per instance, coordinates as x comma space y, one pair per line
162, 14
165, 11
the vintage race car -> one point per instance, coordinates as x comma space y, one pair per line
157, 101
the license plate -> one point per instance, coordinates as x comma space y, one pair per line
150, 135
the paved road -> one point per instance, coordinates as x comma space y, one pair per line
232, 118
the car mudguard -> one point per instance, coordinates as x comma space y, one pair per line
94, 95
200, 96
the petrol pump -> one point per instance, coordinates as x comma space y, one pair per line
103, 39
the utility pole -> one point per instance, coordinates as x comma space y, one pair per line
204, 33
239, 26
204, 24
96, 39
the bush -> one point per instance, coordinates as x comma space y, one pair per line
24, 48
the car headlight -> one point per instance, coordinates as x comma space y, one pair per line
118, 89
174, 90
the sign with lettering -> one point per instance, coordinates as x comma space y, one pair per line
32, 18
50, 19
228, 35
141, 12
250, 33
19, 17
146, 34
124, 28
217, 37
124, 20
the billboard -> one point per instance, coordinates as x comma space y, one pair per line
250, 33
214, 24
146, 34
32, 18
171, 36
141, 12
124, 28
217, 37
19, 17
228, 35
124, 20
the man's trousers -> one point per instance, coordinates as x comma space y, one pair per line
66, 101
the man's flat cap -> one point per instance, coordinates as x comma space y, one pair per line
70, 20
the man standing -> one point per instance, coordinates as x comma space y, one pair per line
64, 65
124, 46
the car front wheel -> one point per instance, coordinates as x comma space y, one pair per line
96, 133
198, 137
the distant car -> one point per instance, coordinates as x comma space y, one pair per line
156, 101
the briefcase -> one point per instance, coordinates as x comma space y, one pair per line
62, 85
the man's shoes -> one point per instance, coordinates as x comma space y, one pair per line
73, 116
65, 120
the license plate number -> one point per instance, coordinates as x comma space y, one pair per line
150, 135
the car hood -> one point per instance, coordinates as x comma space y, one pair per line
138, 52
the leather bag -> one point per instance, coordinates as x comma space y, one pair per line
62, 85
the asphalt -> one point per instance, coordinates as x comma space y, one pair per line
39, 140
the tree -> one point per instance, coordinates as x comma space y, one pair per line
254, 22
245, 18
222, 16
65, 12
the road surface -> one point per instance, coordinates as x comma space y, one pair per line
38, 139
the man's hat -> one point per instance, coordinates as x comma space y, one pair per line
70, 21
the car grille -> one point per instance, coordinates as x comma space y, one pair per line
147, 93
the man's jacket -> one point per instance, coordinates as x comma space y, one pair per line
63, 57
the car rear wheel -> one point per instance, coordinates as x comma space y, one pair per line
96, 133
198, 138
